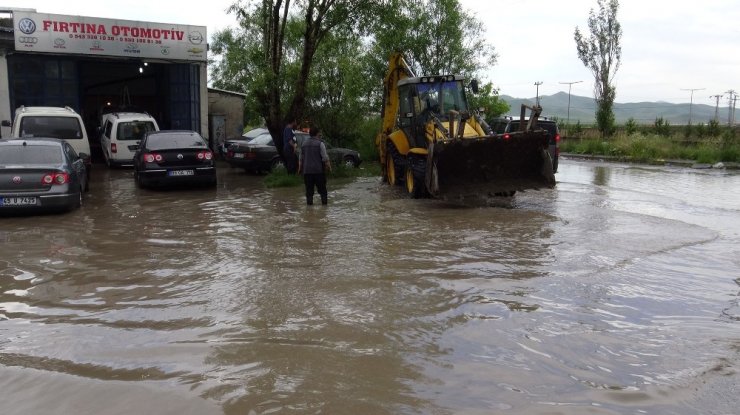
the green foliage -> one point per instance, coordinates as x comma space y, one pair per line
652, 147
661, 127
605, 118
368, 131
630, 127
488, 99
279, 177
436, 37
713, 129
700, 130
601, 53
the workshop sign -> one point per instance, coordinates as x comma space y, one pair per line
54, 33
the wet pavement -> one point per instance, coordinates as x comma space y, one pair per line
617, 292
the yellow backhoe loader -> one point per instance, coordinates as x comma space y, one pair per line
435, 145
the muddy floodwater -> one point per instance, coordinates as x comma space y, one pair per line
617, 292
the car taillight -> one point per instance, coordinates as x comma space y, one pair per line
507, 136
55, 178
205, 155
152, 157
557, 138
113, 148
230, 154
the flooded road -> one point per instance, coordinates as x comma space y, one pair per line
615, 293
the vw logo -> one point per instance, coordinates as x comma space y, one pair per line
195, 38
28, 39
17, 179
27, 25
179, 156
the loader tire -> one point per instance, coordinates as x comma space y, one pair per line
393, 168
415, 173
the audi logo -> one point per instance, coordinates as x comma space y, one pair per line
17, 179
28, 39
179, 156
27, 25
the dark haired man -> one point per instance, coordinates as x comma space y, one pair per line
313, 164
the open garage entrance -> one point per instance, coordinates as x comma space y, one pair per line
168, 91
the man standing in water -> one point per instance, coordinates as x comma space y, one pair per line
314, 163
289, 147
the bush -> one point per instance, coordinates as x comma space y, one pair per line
662, 127
630, 127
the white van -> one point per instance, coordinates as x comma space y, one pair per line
54, 122
121, 133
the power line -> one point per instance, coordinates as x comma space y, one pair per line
691, 104
569, 85
732, 100
716, 106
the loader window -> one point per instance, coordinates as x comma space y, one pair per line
452, 97
406, 106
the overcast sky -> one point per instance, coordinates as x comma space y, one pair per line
667, 46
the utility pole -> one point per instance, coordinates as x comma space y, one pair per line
731, 102
567, 123
716, 106
537, 99
692, 99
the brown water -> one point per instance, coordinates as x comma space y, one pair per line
615, 293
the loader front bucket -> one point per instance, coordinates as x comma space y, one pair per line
489, 166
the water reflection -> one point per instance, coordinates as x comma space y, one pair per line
594, 300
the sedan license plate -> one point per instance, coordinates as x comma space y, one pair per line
18, 201
238, 155
181, 173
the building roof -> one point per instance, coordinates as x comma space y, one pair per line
223, 91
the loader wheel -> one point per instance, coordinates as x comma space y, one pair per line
393, 168
415, 173
390, 169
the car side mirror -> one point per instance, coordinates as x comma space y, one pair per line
6, 123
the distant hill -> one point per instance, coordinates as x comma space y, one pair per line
583, 109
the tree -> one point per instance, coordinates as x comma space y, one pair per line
435, 36
488, 99
601, 53
282, 74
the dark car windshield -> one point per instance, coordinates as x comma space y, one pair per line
20, 155
173, 141
67, 128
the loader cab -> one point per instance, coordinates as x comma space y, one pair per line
424, 99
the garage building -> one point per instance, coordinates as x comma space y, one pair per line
90, 63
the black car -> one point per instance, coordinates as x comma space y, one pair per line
40, 174
337, 155
174, 157
259, 154
506, 125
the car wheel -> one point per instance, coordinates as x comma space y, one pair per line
276, 164
350, 162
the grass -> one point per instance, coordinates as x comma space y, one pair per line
279, 177
652, 147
